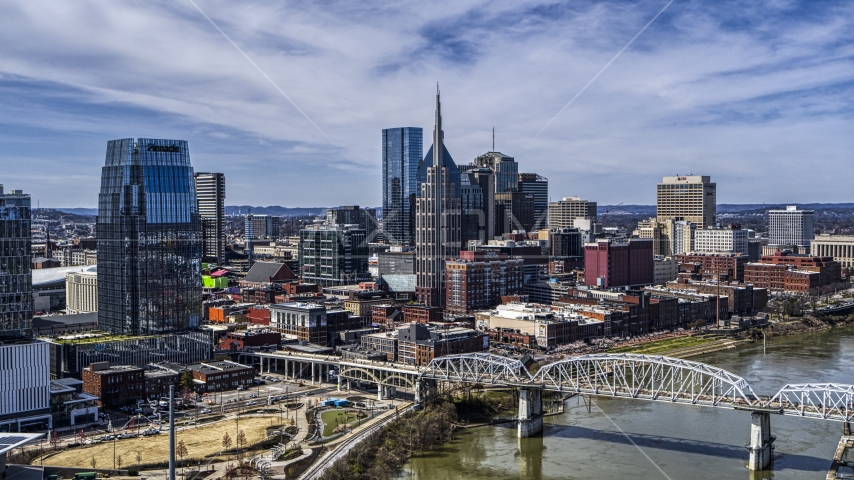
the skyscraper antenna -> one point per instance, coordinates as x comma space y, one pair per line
493, 139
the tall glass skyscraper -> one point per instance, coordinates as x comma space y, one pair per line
149, 239
402, 150
16, 284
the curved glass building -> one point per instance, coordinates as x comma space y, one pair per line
149, 239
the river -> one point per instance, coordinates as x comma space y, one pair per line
638, 439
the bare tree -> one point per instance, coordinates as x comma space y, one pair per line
54, 439
181, 450
119, 461
138, 458
93, 462
226, 441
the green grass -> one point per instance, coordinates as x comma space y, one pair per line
100, 339
329, 418
661, 346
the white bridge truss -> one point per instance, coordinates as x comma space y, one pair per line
477, 368
826, 401
648, 377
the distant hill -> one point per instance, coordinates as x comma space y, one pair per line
724, 208
91, 212
275, 210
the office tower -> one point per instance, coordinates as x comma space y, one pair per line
402, 153
16, 287
365, 218
485, 178
332, 255
682, 237
791, 226
692, 198
437, 224
210, 194
473, 217
514, 211
261, 226
505, 168
538, 186
564, 212
149, 239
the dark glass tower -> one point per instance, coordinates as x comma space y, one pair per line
16, 285
402, 150
149, 239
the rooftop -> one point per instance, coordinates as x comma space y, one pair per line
43, 277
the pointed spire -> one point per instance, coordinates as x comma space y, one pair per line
438, 140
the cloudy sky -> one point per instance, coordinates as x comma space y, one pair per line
757, 94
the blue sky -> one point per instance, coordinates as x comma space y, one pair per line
756, 94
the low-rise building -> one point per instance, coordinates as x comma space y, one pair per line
840, 247
24, 384
665, 269
250, 338
115, 385
419, 344
220, 376
81, 291
793, 273
385, 342
732, 239
713, 266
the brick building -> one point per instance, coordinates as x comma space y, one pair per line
793, 273
710, 266
387, 315
419, 344
744, 299
478, 280
220, 376
115, 385
610, 263
422, 314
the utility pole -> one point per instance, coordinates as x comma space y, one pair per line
171, 432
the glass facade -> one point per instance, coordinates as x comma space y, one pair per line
149, 239
402, 149
16, 285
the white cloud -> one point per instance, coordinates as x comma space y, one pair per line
726, 89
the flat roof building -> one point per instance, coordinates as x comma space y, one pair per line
691, 197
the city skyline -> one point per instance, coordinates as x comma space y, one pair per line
705, 89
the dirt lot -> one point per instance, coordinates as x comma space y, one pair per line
200, 441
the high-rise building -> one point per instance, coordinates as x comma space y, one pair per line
402, 154
505, 168
332, 255
538, 186
564, 212
691, 198
365, 218
210, 194
682, 237
485, 178
16, 285
438, 218
477, 280
473, 222
514, 211
261, 226
149, 239
791, 226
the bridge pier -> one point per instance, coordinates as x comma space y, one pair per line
846, 429
530, 421
760, 441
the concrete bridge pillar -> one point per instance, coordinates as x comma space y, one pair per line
847, 429
340, 381
312, 373
380, 392
760, 441
530, 421
419, 391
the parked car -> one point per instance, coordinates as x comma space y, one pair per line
249, 404
241, 388
150, 431
207, 410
